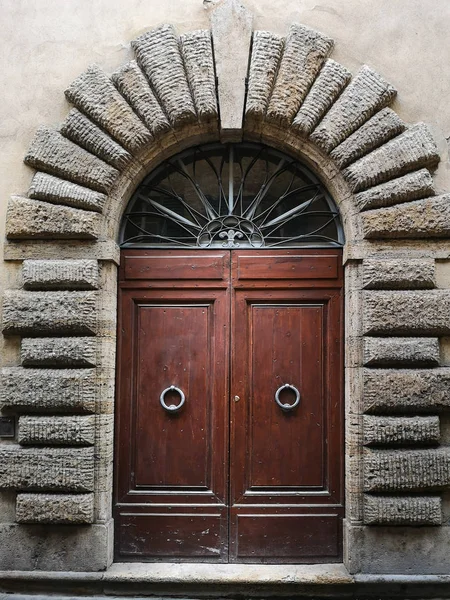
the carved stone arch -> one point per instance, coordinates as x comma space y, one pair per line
178, 92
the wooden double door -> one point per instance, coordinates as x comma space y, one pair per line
229, 439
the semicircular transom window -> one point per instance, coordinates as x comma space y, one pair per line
231, 196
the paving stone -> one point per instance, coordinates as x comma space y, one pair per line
402, 510
395, 274
398, 431
61, 509
51, 431
401, 352
58, 352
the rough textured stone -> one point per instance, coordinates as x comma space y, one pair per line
267, 49
326, 88
403, 510
50, 431
85, 133
413, 149
133, 85
94, 93
418, 219
398, 431
399, 274
413, 186
158, 54
406, 390
52, 469
60, 313
304, 54
401, 352
60, 274
367, 93
53, 153
407, 312
55, 508
33, 219
58, 352
406, 470
55, 190
196, 49
378, 130
44, 390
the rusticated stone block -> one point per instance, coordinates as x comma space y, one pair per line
402, 510
367, 93
133, 85
48, 390
60, 274
47, 469
398, 431
418, 219
52, 189
406, 470
267, 49
401, 352
158, 54
304, 53
406, 390
326, 88
33, 219
413, 186
63, 509
51, 152
83, 132
94, 93
378, 130
51, 431
399, 274
40, 313
196, 49
58, 352
407, 312
413, 149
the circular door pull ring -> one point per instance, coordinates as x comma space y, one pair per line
287, 407
172, 407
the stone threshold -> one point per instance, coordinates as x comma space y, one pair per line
204, 580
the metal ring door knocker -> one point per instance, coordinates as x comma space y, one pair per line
287, 407
172, 407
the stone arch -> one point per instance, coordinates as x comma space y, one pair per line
180, 91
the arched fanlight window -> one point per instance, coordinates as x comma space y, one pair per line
231, 196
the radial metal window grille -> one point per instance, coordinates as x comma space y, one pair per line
231, 196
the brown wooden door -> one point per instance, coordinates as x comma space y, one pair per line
231, 476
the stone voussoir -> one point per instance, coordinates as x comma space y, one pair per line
406, 470
415, 148
81, 130
58, 191
158, 54
58, 352
94, 94
402, 510
330, 82
406, 312
60, 274
47, 469
398, 431
51, 152
401, 352
196, 49
61, 509
267, 49
32, 219
49, 390
419, 219
367, 93
378, 130
396, 274
305, 51
406, 390
51, 431
57, 313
